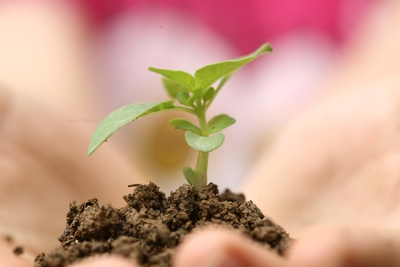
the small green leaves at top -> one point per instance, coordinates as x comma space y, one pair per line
204, 143
178, 76
265, 48
208, 75
220, 122
183, 98
209, 94
190, 101
185, 125
123, 116
174, 88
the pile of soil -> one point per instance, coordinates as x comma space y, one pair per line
150, 227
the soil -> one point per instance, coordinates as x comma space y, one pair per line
150, 227
18, 250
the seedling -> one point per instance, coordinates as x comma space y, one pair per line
194, 94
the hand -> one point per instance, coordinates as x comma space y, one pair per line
332, 181
44, 166
338, 165
317, 247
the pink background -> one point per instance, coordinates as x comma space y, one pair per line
248, 23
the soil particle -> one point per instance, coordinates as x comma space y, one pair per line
229, 196
8, 238
148, 229
18, 250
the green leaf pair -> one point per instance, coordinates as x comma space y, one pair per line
178, 81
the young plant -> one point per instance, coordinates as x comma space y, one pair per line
194, 94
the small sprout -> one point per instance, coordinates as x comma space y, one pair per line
194, 95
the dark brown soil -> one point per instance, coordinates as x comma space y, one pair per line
18, 250
150, 227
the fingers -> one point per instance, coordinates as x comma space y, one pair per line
44, 166
105, 262
13, 261
346, 246
223, 248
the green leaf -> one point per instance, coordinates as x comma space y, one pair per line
190, 101
178, 76
265, 48
220, 122
190, 176
180, 123
209, 94
208, 75
174, 88
204, 143
183, 97
123, 116
164, 105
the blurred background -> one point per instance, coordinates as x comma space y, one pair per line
87, 58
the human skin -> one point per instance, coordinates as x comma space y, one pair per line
332, 180
344, 147
44, 166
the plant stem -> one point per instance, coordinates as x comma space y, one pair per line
201, 116
202, 158
201, 170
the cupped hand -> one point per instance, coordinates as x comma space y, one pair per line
322, 246
338, 163
332, 181
44, 166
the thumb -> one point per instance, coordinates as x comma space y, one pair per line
223, 248
105, 261
346, 246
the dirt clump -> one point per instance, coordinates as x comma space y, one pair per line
149, 228
18, 250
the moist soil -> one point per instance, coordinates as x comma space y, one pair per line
150, 227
